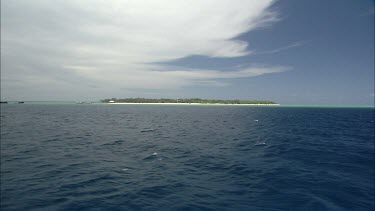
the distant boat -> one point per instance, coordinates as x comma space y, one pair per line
21, 102
3, 102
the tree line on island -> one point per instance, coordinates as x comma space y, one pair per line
186, 100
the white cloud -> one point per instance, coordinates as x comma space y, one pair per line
109, 42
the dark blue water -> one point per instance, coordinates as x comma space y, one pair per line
149, 157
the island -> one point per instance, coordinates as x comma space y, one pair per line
186, 101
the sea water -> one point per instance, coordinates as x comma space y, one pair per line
159, 157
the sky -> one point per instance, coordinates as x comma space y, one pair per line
290, 51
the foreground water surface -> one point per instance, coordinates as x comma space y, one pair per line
158, 157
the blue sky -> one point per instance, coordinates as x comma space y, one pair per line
290, 51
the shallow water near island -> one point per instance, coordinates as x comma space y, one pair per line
159, 157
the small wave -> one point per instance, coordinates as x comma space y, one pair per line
260, 143
147, 130
151, 157
51, 140
113, 143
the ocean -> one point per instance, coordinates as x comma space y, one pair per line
169, 157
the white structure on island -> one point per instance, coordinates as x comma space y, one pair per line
111, 101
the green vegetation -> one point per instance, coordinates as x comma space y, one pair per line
190, 100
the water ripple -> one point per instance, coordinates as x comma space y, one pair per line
97, 157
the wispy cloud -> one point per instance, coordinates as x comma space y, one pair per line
277, 50
107, 43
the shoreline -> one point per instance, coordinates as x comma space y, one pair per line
197, 104
190, 104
